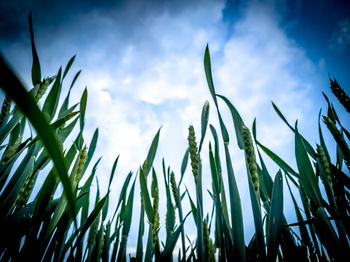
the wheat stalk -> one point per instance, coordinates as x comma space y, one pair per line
339, 92
193, 152
325, 164
155, 222
43, 87
339, 138
11, 149
249, 150
26, 190
93, 231
81, 163
208, 243
174, 188
5, 109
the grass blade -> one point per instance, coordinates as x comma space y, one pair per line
183, 166
236, 211
51, 102
36, 72
259, 232
69, 64
83, 109
204, 123
307, 175
275, 218
91, 150
122, 194
237, 121
126, 217
151, 153
145, 196
207, 68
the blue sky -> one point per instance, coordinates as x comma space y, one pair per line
142, 62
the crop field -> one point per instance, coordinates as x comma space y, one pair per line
68, 227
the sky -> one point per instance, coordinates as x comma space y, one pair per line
142, 62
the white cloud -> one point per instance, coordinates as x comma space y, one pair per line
259, 65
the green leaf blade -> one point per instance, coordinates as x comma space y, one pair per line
275, 218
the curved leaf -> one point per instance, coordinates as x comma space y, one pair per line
207, 68
275, 218
152, 153
36, 72
204, 123
237, 121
